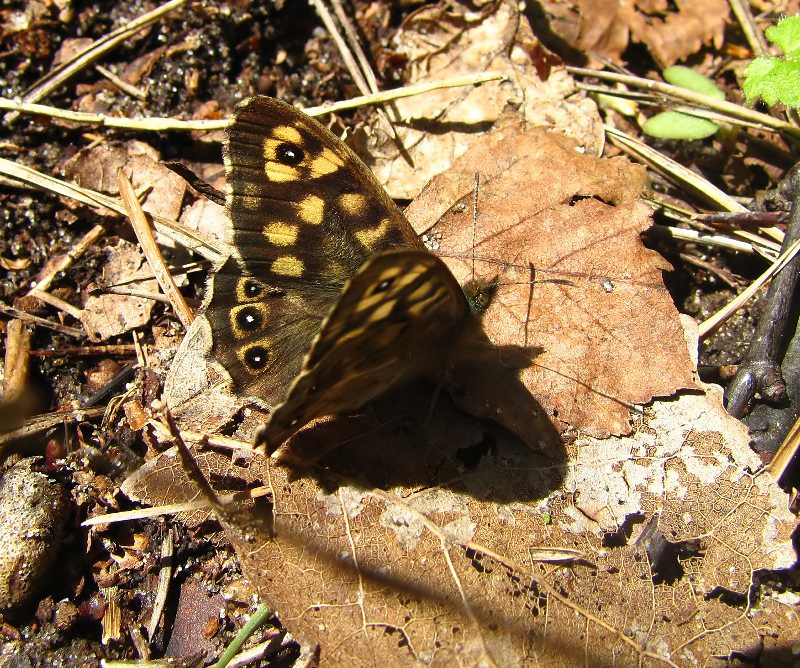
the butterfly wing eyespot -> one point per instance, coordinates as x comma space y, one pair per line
249, 319
256, 357
289, 154
252, 289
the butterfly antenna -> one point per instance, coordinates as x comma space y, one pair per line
475, 218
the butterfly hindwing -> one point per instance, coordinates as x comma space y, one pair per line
394, 321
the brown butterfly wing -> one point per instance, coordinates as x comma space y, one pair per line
306, 213
394, 321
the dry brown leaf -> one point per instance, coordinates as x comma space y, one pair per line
71, 48
96, 168
606, 339
107, 315
162, 481
196, 389
451, 39
14, 264
672, 35
590, 28
208, 218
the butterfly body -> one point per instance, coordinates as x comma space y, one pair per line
329, 293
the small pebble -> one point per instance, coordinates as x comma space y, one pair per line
33, 513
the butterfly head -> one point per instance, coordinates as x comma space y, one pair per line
479, 294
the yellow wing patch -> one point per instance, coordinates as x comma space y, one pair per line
311, 209
327, 162
369, 237
287, 134
281, 234
288, 265
353, 203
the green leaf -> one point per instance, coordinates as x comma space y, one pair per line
675, 125
686, 77
785, 34
774, 80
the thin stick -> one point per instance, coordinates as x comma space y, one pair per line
60, 304
41, 322
41, 423
17, 360
703, 238
735, 110
755, 38
475, 219
162, 124
164, 578
123, 349
355, 45
144, 234
175, 508
52, 269
211, 249
346, 54
786, 454
124, 86
691, 181
711, 324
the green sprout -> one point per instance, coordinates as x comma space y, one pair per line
675, 124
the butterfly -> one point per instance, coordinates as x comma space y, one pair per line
329, 298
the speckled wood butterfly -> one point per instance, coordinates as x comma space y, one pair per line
328, 292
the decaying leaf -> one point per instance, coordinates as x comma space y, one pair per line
106, 315
590, 27
601, 330
450, 39
206, 217
162, 481
418, 541
672, 34
196, 389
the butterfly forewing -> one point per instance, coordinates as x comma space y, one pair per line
306, 213
305, 208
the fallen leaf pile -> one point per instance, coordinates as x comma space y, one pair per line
444, 41
669, 31
435, 556
573, 494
